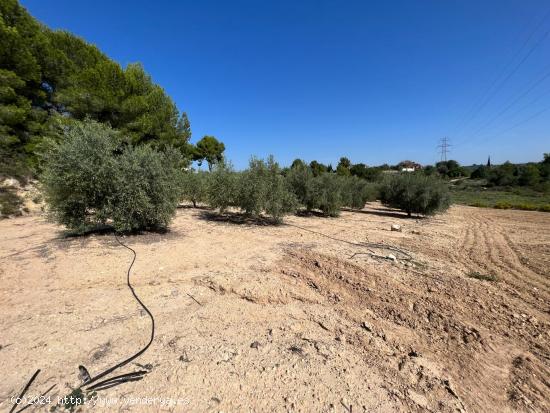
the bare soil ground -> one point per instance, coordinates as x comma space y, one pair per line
289, 319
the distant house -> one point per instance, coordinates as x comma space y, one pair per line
409, 166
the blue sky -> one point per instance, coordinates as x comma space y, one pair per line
377, 82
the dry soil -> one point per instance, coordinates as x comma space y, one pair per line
295, 317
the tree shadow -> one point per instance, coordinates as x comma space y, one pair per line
304, 213
109, 230
67, 239
198, 207
384, 212
236, 218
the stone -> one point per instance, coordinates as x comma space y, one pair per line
419, 399
10, 182
396, 227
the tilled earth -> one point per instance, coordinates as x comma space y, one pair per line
311, 315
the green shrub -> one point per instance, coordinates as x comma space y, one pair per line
503, 205
89, 180
147, 189
479, 204
10, 203
300, 179
252, 187
544, 208
415, 193
326, 194
355, 192
222, 186
525, 207
529, 175
328, 191
195, 186
479, 173
262, 188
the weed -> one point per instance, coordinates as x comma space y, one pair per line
483, 277
10, 203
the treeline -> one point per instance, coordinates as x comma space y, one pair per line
51, 78
535, 175
265, 188
92, 178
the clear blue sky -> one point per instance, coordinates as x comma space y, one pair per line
378, 82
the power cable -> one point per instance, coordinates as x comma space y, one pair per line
489, 93
522, 122
510, 105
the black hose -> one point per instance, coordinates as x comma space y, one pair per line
42, 395
113, 381
24, 390
120, 378
144, 349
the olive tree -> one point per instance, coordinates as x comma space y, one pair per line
91, 180
222, 187
195, 186
262, 188
415, 193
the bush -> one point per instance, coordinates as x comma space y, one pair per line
479, 204
147, 189
529, 175
263, 188
503, 205
525, 206
300, 180
355, 192
326, 194
328, 191
415, 193
479, 173
222, 186
89, 180
503, 175
252, 187
10, 202
195, 187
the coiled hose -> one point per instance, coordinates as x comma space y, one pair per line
92, 383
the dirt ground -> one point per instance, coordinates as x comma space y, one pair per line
286, 318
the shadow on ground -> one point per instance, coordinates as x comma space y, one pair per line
236, 218
384, 212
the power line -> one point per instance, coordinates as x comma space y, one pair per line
444, 146
509, 106
520, 123
489, 92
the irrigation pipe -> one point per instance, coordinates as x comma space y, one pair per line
367, 245
140, 352
24, 391
113, 381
